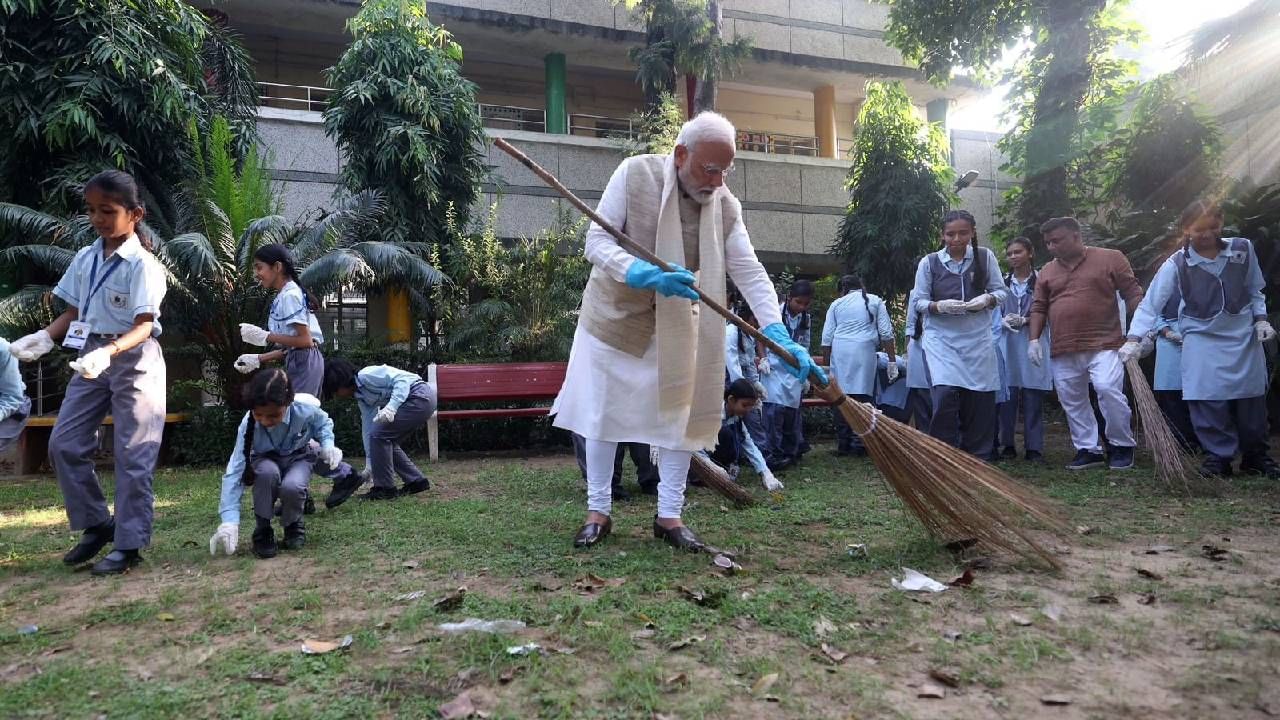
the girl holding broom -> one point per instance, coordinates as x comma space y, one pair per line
956, 289
1224, 325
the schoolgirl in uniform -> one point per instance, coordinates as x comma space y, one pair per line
741, 362
956, 289
783, 391
114, 288
891, 397
857, 325
273, 455
1028, 383
1167, 382
1223, 321
15, 406
919, 388
291, 324
393, 403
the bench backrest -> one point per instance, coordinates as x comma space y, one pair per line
506, 381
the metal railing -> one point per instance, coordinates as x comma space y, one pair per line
777, 143
510, 117
46, 382
293, 97
600, 126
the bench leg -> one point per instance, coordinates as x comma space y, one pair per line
433, 437
33, 450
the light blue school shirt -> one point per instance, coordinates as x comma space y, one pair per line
748, 447
958, 348
12, 389
127, 284
740, 364
302, 423
854, 329
378, 386
289, 308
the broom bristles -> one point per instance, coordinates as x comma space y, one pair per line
955, 495
1174, 464
714, 477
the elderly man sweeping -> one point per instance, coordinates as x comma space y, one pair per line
646, 365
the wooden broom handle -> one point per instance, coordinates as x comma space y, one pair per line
636, 249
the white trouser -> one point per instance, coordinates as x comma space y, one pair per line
673, 472
1072, 374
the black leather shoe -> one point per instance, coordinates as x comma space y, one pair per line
415, 487
343, 488
680, 537
308, 505
117, 562
1213, 466
1263, 466
592, 533
1008, 453
295, 536
91, 543
264, 540
381, 493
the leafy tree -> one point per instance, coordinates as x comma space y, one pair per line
89, 84
899, 188
658, 129
1066, 71
405, 120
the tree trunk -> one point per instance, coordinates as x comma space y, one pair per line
1056, 114
705, 95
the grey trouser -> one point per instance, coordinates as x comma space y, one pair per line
965, 419
132, 389
1227, 427
305, 368
281, 476
920, 403
1031, 402
385, 453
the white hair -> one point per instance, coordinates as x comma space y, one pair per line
708, 125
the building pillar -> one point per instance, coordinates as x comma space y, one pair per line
557, 119
399, 319
936, 111
824, 121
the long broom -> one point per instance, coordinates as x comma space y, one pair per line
955, 495
714, 477
1174, 464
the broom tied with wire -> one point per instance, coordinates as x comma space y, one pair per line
954, 495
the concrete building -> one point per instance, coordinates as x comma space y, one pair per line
555, 79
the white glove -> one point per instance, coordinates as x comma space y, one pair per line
330, 456
385, 415
1034, 353
31, 347
1013, 323
1266, 333
892, 371
766, 367
253, 334
1147, 346
980, 303
951, 307
1131, 350
761, 395
1173, 336
92, 363
227, 536
771, 483
247, 363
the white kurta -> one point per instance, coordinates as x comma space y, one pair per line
611, 395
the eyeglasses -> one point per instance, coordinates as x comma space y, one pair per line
714, 171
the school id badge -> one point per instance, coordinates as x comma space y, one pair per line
77, 335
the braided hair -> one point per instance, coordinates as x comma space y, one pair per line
1031, 281
979, 266
849, 283
267, 387
744, 312
1193, 212
276, 253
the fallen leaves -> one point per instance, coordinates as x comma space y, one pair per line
700, 597
686, 642
591, 582
822, 627
265, 679
1147, 599
675, 682
762, 685
964, 580
548, 584
644, 634
1149, 574
166, 617
932, 691
1055, 700
834, 655
411, 596
321, 647
1086, 530
1214, 553
947, 676
1104, 599
457, 708
1157, 549
1019, 619
452, 601
409, 564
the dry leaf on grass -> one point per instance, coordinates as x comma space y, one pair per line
964, 580
644, 634
1055, 700
676, 681
1104, 599
1147, 599
822, 627
409, 596
452, 601
1215, 553
591, 582
686, 642
320, 647
836, 656
1149, 574
1157, 549
409, 564
1018, 619
548, 584
265, 679
457, 708
951, 635
762, 685
931, 690
166, 617
946, 676
510, 674
1085, 530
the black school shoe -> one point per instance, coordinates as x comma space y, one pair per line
343, 488
264, 540
1086, 459
117, 562
1121, 458
295, 536
1035, 457
1213, 466
91, 543
415, 487
1263, 466
1009, 453
381, 493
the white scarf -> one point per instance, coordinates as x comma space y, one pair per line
691, 338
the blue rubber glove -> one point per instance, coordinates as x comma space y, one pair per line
777, 332
644, 275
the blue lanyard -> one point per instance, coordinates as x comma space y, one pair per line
93, 273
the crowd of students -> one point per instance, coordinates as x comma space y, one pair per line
979, 354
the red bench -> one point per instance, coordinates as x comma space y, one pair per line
505, 382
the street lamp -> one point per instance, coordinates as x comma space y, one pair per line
966, 180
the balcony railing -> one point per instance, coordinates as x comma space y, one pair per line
777, 143
293, 97
510, 117
600, 126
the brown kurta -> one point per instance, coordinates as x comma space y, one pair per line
1080, 301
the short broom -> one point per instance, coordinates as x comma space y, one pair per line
1174, 464
955, 495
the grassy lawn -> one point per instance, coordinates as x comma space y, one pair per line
194, 636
